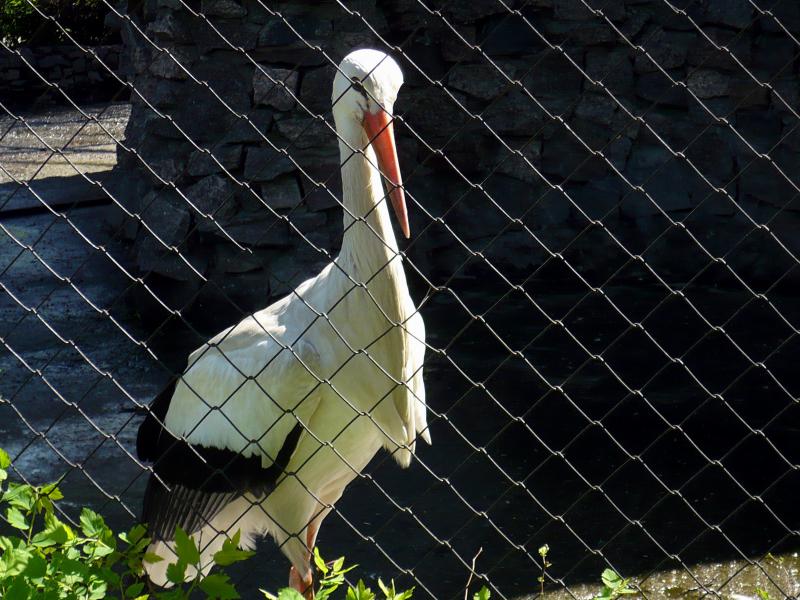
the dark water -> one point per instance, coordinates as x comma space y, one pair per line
554, 421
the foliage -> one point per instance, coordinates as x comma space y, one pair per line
47, 558
331, 578
44, 557
614, 586
543, 551
21, 24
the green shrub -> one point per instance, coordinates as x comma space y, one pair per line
21, 24
44, 557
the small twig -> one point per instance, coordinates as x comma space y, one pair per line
471, 573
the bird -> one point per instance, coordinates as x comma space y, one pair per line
273, 417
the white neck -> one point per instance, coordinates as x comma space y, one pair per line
369, 249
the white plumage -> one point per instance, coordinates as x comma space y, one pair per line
342, 354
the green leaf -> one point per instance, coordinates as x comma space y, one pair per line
135, 534
176, 572
16, 519
230, 552
18, 590
51, 490
319, 562
35, 569
152, 557
101, 549
288, 594
391, 593
605, 594
5, 462
135, 589
611, 578
762, 594
92, 524
186, 548
20, 495
51, 536
338, 564
360, 592
482, 594
218, 586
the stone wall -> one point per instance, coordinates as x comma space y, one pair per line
76, 73
571, 185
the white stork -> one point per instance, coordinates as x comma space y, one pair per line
274, 416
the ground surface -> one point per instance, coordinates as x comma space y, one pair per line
78, 362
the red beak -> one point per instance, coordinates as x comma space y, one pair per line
380, 130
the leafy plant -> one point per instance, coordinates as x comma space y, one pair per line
20, 23
332, 578
614, 586
543, 551
47, 558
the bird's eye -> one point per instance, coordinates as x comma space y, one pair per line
358, 86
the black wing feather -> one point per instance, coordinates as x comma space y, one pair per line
191, 484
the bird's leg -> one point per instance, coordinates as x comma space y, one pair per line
304, 585
311, 536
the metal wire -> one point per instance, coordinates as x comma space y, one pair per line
447, 419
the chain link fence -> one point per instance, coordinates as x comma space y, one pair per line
603, 205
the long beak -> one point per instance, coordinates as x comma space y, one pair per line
380, 130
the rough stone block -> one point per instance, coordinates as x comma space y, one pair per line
283, 193
515, 113
251, 130
657, 87
519, 167
579, 33
173, 27
258, 229
293, 29
502, 36
565, 157
265, 164
554, 80
166, 215
596, 199
733, 13
174, 62
706, 83
575, 10
307, 133
228, 155
786, 95
152, 257
328, 193
483, 80
703, 53
223, 8
227, 258
599, 108
771, 55
613, 67
667, 48
213, 195
456, 46
275, 87
315, 90
224, 34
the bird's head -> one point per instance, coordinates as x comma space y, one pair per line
364, 91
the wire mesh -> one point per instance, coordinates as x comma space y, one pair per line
610, 332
